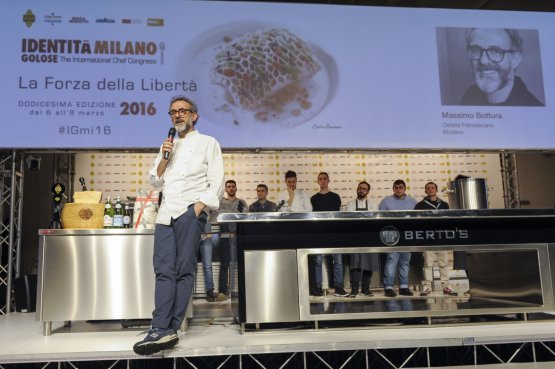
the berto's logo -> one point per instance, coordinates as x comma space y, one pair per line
390, 235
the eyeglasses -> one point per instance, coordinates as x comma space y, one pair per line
182, 112
495, 54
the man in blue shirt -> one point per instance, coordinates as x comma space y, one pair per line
398, 201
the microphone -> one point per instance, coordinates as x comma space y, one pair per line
240, 207
280, 205
171, 136
83, 186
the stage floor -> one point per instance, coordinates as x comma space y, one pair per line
212, 333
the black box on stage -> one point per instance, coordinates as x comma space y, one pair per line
25, 293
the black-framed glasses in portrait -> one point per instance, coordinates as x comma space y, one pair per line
495, 54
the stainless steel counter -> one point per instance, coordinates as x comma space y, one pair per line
98, 274
107, 274
383, 215
509, 252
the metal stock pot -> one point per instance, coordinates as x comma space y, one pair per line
468, 193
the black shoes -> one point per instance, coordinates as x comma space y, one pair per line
340, 292
156, 340
317, 292
390, 293
210, 296
402, 291
367, 292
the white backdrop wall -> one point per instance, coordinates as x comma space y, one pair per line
126, 173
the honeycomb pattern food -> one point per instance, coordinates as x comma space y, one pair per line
261, 70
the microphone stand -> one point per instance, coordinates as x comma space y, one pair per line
57, 190
56, 222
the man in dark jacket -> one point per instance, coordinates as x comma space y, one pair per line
432, 202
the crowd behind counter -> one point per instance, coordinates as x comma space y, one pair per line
107, 274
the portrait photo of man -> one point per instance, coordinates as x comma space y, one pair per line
490, 67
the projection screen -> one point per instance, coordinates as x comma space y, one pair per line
100, 75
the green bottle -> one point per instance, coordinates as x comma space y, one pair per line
108, 213
118, 214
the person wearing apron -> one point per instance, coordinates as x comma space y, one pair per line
362, 265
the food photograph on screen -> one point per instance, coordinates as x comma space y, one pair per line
259, 74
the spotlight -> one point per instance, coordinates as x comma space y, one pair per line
33, 162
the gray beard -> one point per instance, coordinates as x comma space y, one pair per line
182, 127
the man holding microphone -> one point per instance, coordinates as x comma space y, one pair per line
190, 172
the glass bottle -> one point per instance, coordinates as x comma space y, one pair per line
127, 217
108, 213
118, 214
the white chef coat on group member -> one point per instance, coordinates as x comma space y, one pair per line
301, 201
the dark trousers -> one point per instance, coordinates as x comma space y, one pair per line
175, 254
311, 274
223, 281
356, 278
330, 269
